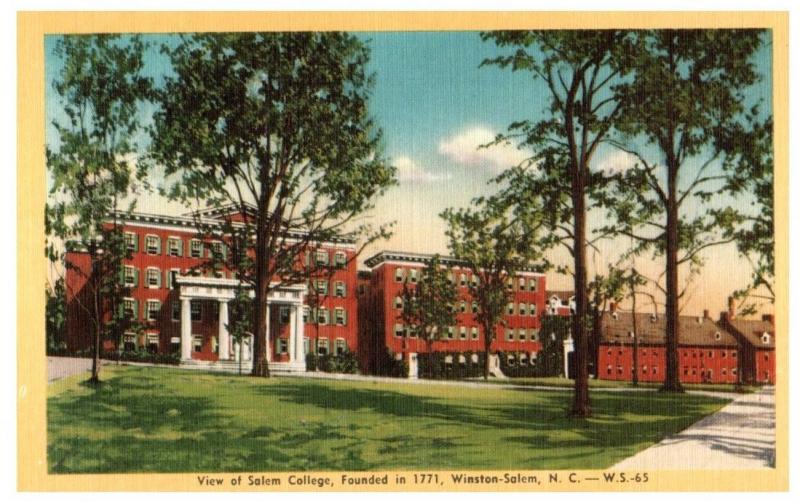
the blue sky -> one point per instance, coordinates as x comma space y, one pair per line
436, 106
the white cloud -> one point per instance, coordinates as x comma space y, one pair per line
409, 171
615, 163
464, 148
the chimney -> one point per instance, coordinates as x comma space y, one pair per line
768, 317
731, 308
613, 307
706, 314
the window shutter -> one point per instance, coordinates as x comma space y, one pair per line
167, 278
136, 242
121, 310
344, 312
180, 247
344, 293
135, 277
121, 275
135, 309
158, 285
158, 247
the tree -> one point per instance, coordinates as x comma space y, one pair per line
554, 330
495, 242
428, 306
56, 315
100, 86
580, 71
278, 121
688, 91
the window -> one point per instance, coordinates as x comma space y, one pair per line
339, 289
129, 342
131, 241
339, 259
724, 354
521, 283
523, 309
283, 315
197, 343
152, 308
462, 279
321, 257
451, 279
532, 309
322, 346
322, 316
130, 308
306, 315
322, 287
608, 370
152, 244
341, 316
510, 283
533, 334
509, 334
196, 248
306, 345
414, 275
451, 332
218, 250
533, 283
176, 311
152, 343
644, 369
462, 307
398, 302
733, 372
655, 370
462, 333
399, 274
398, 330
474, 307
766, 357
619, 369
733, 354
522, 334
710, 354
724, 371
153, 277
473, 280
340, 346
175, 247
130, 277
510, 308
197, 310
474, 333
686, 371
283, 346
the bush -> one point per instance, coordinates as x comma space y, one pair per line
434, 365
345, 363
515, 369
389, 366
143, 356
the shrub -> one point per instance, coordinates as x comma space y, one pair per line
387, 365
345, 363
434, 365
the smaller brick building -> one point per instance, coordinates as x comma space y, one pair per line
758, 346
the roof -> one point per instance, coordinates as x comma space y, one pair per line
423, 258
694, 331
753, 331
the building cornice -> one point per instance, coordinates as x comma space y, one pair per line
396, 257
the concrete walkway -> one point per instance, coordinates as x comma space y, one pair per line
739, 436
59, 367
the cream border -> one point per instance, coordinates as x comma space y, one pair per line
31, 373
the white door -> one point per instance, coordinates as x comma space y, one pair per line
413, 371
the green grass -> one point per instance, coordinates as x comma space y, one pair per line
562, 382
163, 420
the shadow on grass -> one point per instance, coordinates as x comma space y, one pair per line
171, 421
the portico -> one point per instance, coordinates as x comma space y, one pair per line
222, 291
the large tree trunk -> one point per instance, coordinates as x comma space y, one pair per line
671, 380
487, 346
580, 406
635, 377
261, 311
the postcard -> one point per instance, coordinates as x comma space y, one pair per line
403, 251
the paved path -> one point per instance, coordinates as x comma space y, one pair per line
739, 436
59, 367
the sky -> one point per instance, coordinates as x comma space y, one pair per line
436, 106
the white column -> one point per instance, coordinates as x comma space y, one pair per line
299, 333
224, 337
186, 329
267, 350
292, 335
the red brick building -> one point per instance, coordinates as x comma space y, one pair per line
174, 303
385, 332
708, 351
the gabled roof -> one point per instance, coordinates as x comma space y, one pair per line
563, 295
651, 329
753, 331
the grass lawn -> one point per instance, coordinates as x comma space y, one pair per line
144, 419
562, 382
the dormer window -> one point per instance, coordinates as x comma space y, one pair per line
615, 316
765, 338
653, 318
630, 334
717, 336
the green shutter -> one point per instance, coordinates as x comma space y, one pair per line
159, 280
345, 321
121, 275
135, 242
135, 309
135, 277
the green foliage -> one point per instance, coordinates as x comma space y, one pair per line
345, 363
55, 316
278, 122
388, 365
550, 359
428, 304
143, 356
434, 365
495, 242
